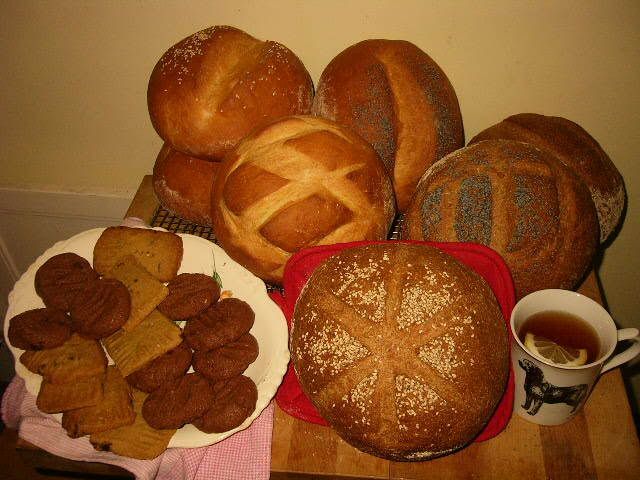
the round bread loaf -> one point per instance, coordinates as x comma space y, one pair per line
401, 348
577, 149
398, 99
517, 199
301, 181
212, 88
183, 184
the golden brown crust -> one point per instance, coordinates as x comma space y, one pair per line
214, 87
402, 349
301, 181
398, 99
573, 145
519, 200
183, 184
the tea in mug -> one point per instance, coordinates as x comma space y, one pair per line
564, 329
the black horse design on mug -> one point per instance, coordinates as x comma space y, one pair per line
540, 391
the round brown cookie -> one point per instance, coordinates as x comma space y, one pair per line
61, 278
39, 329
221, 323
189, 295
178, 403
227, 361
164, 369
234, 400
101, 308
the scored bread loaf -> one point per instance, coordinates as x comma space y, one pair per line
212, 88
299, 182
577, 149
517, 199
183, 184
401, 348
397, 98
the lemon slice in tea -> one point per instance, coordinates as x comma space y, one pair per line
554, 353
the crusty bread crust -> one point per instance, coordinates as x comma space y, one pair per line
214, 87
573, 145
398, 99
299, 182
401, 348
183, 184
517, 199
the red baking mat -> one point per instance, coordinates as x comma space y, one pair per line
486, 262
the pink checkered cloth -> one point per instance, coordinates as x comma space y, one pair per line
244, 455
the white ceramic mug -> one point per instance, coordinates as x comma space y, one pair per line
546, 393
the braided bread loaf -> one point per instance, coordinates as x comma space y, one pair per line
299, 182
577, 149
401, 348
521, 201
398, 99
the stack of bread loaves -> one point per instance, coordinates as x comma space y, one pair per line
402, 349
209, 91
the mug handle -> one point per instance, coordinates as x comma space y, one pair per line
625, 334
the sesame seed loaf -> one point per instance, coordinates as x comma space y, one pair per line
401, 348
211, 89
183, 184
299, 182
398, 99
517, 199
577, 149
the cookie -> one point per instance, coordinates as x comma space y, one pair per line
160, 253
61, 278
101, 308
138, 440
114, 410
189, 295
39, 329
233, 401
61, 397
155, 336
223, 322
178, 403
164, 369
75, 359
227, 361
145, 290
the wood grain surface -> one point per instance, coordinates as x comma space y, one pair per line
599, 443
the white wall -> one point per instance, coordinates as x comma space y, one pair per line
74, 75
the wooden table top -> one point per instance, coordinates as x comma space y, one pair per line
600, 442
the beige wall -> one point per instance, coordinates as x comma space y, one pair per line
73, 82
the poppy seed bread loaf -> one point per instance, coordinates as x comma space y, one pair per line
401, 348
573, 145
517, 199
399, 100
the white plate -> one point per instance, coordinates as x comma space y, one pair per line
269, 328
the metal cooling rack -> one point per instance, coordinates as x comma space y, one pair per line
165, 219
